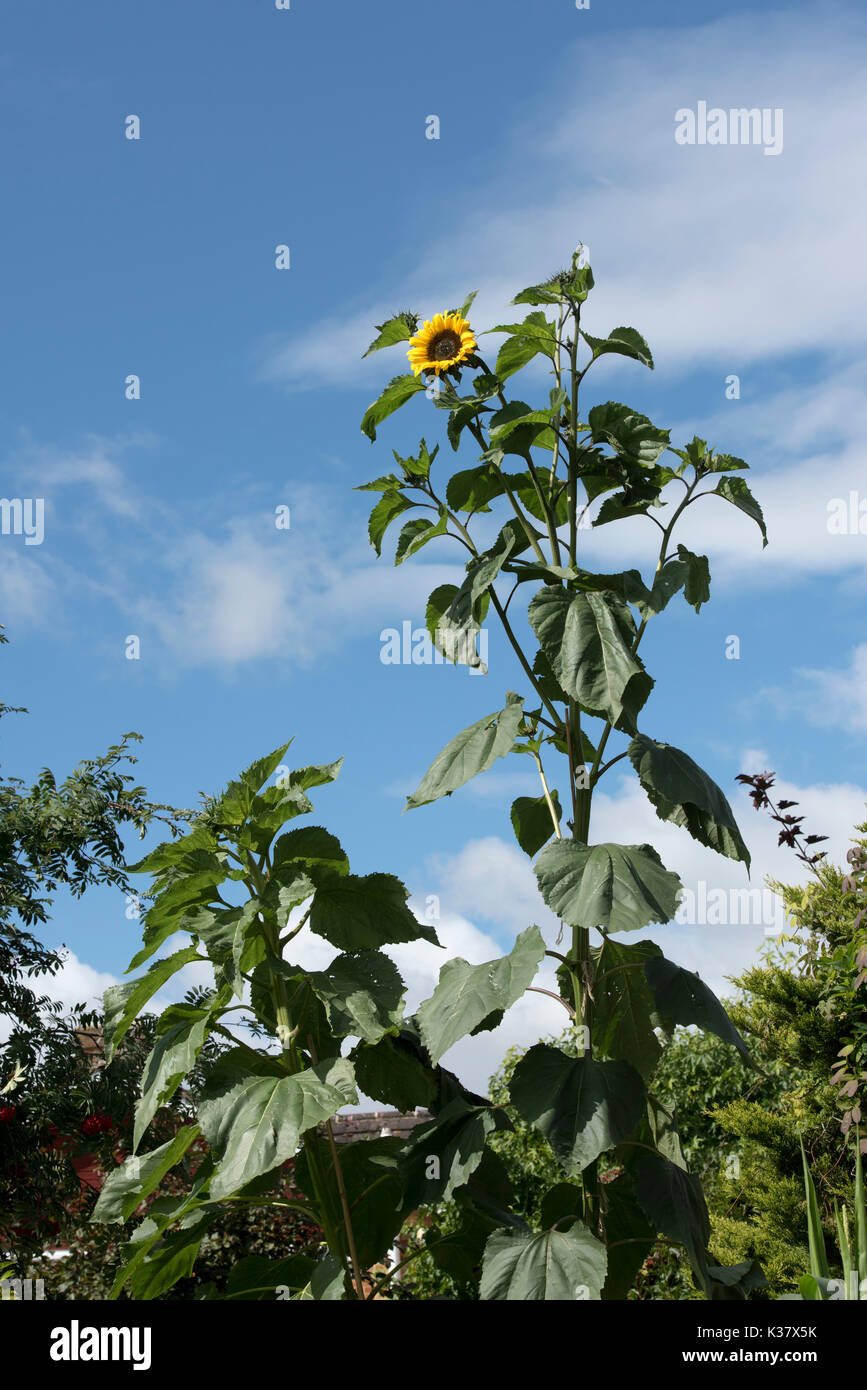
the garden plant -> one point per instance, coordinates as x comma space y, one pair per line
243, 888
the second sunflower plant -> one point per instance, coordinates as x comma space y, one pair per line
544, 467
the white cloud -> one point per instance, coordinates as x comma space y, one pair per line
832, 697
719, 254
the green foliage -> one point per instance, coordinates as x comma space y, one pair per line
597, 1102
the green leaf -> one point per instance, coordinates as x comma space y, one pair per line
181, 1034
532, 822
417, 533
467, 994
553, 1265
626, 342
615, 887
389, 482
254, 1123
472, 489
312, 847
628, 432
683, 997
189, 884
587, 638
629, 1237
171, 1258
363, 913
441, 1156
472, 751
735, 490
581, 1106
362, 994
453, 625
624, 1008
673, 1202
391, 1072
398, 391
682, 793
257, 1278
389, 506
123, 1003
370, 1176
396, 330
697, 583
536, 334
127, 1186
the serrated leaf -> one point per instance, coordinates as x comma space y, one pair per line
395, 330
455, 1141
363, 913
362, 993
624, 1009
683, 997
398, 391
123, 1003
126, 1187
520, 1266
587, 639
626, 342
254, 1123
614, 887
389, 506
681, 792
467, 994
472, 751
581, 1106
735, 490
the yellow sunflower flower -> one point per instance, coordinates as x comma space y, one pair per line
443, 342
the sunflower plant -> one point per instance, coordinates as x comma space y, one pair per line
548, 471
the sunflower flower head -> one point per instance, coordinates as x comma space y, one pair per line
441, 343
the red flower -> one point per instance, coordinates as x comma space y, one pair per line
7, 1114
97, 1124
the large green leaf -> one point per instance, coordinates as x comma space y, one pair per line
554, 1265
467, 995
172, 1257
682, 792
126, 1187
392, 1072
471, 752
587, 638
735, 490
398, 391
673, 1202
359, 913
362, 994
685, 998
253, 1123
532, 821
258, 1278
628, 1235
181, 1034
624, 1009
615, 887
581, 1106
371, 1179
441, 1156
123, 1003
535, 334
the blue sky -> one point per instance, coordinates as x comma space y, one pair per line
307, 127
